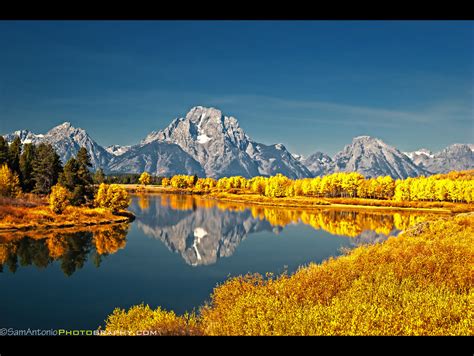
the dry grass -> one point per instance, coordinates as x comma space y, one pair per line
454, 207
419, 283
13, 217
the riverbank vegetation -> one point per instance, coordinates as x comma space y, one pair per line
453, 187
31, 177
419, 283
452, 192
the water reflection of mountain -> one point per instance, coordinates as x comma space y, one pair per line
70, 249
202, 231
200, 236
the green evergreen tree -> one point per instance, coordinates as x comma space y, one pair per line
14, 152
99, 176
46, 168
3, 151
26, 167
69, 178
84, 188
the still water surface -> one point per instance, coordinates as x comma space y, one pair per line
172, 255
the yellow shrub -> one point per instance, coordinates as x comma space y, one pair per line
142, 320
145, 178
112, 197
58, 199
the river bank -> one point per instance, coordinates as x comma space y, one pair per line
40, 217
310, 202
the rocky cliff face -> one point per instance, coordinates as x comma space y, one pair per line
319, 164
372, 157
222, 147
157, 158
455, 157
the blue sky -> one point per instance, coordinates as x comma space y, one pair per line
312, 85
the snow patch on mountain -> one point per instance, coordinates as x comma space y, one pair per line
117, 150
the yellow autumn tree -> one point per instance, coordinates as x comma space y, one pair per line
145, 178
277, 186
165, 182
9, 182
58, 199
257, 184
112, 197
183, 181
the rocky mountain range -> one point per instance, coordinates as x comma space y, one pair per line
454, 157
66, 140
208, 143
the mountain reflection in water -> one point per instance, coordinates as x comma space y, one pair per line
203, 230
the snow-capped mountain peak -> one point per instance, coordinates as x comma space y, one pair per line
223, 148
414, 155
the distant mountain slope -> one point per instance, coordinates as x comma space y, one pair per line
372, 157
319, 164
66, 140
158, 158
455, 157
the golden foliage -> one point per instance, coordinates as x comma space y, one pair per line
58, 199
419, 283
165, 182
141, 319
278, 186
435, 188
205, 184
144, 179
183, 181
112, 197
453, 187
9, 182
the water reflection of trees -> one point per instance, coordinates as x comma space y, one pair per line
70, 249
337, 222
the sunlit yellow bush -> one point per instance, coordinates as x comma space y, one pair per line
141, 319
112, 197
144, 179
165, 182
58, 199
183, 181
